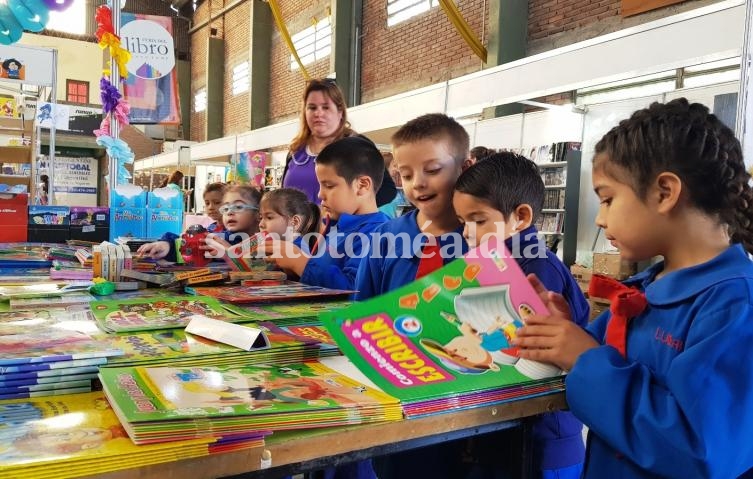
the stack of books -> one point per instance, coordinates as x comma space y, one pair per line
79, 435
443, 342
157, 404
49, 352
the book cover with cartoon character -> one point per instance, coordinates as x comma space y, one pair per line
448, 333
156, 403
155, 313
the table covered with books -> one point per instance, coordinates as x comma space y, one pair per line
241, 372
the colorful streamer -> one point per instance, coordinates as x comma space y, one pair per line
121, 152
19, 15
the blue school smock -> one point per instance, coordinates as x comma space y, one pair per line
336, 262
393, 261
557, 436
681, 403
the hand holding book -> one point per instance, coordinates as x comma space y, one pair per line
552, 338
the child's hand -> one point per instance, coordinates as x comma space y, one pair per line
156, 250
284, 254
555, 338
214, 246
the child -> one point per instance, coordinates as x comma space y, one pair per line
502, 196
349, 172
667, 394
240, 206
213, 194
286, 213
430, 152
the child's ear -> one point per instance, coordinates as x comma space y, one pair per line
364, 185
523, 216
667, 191
467, 163
296, 221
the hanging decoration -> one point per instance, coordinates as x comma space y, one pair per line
32, 15
113, 104
457, 20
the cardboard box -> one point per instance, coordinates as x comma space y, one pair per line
128, 196
90, 223
612, 265
165, 198
14, 218
49, 224
127, 222
598, 306
582, 276
161, 221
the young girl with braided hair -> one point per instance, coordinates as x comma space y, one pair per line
664, 379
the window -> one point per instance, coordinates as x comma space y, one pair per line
401, 10
200, 100
313, 43
240, 78
77, 91
70, 20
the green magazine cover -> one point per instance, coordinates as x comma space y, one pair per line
446, 334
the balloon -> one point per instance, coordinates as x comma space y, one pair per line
10, 29
33, 15
58, 5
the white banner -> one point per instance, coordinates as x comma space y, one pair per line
32, 66
75, 180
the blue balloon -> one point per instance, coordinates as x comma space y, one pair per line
10, 29
33, 15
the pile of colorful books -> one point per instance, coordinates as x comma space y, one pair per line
157, 404
79, 435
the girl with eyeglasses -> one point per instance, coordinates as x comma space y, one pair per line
240, 217
288, 214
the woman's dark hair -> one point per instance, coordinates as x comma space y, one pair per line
290, 202
504, 180
176, 178
685, 139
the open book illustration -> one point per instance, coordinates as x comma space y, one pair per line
449, 332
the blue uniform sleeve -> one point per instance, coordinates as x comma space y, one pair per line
367, 279
692, 422
336, 268
172, 255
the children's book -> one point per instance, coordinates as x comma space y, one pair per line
446, 334
50, 348
156, 402
74, 435
155, 313
293, 310
291, 291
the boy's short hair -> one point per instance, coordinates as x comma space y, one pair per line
216, 186
354, 156
505, 180
435, 126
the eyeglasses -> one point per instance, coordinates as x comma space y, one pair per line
226, 209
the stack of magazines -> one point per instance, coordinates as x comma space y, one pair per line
443, 342
157, 404
79, 435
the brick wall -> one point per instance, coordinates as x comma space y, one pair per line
286, 85
237, 32
556, 23
418, 52
142, 146
199, 40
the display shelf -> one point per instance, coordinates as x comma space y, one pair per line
15, 154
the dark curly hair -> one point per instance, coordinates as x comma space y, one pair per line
685, 139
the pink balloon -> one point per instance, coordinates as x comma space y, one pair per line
58, 5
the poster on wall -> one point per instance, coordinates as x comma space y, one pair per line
23, 64
8, 106
250, 168
75, 180
72, 119
151, 86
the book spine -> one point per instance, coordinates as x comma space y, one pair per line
97, 261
